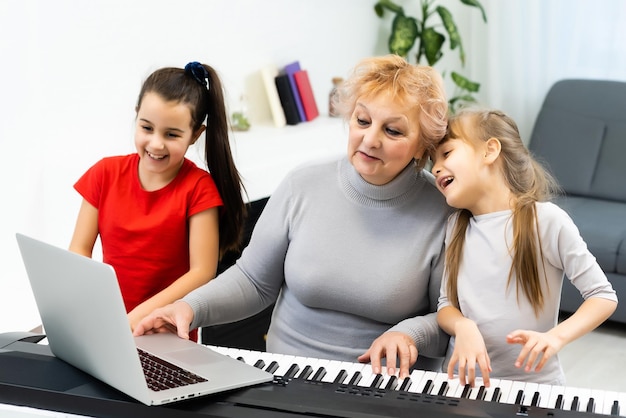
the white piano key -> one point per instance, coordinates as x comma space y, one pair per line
440, 381
368, 375
356, 368
516, 387
489, 392
544, 395
332, 370
568, 396
418, 386
285, 363
505, 389
622, 404
555, 392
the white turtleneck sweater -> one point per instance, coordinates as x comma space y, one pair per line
343, 259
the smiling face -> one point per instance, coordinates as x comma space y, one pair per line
163, 133
457, 166
383, 138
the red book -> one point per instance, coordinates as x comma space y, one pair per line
306, 94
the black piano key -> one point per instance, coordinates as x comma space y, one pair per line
497, 394
428, 387
378, 380
341, 376
319, 374
259, 364
482, 392
272, 367
615, 408
406, 384
520, 397
292, 371
575, 404
559, 402
536, 399
467, 390
306, 372
241, 359
591, 405
356, 378
443, 389
392, 383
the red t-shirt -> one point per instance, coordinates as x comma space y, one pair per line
145, 235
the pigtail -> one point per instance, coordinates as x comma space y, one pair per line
454, 255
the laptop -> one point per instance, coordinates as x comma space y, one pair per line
85, 322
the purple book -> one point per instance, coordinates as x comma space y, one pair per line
290, 70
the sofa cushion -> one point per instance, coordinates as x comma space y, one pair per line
580, 134
602, 224
572, 158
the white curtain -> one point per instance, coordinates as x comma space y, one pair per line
527, 45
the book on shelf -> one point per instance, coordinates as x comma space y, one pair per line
290, 70
306, 94
287, 99
268, 75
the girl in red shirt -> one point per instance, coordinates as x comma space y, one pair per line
163, 222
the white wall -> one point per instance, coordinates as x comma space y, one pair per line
72, 69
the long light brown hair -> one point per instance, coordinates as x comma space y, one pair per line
528, 181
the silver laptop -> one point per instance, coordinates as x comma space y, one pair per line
85, 321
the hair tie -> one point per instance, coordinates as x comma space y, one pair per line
198, 72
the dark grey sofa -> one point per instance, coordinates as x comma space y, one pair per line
580, 134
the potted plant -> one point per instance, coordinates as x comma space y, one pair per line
407, 30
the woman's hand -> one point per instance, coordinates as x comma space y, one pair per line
394, 346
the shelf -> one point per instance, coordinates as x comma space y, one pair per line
265, 154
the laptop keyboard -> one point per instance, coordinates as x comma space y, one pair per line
162, 375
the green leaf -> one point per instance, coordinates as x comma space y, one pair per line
379, 10
464, 83
475, 3
453, 31
403, 34
380, 7
432, 42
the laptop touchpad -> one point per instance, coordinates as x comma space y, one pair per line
193, 356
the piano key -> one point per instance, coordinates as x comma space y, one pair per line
531, 390
406, 384
284, 364
455, 388
440, 384
517, 394
333, 367
608, 399
367, 376
411, 381
544, 395
420, 385
489, 391
273, 366
464, 391
505, 390
342, 374
392, 383
319, 374
306, 372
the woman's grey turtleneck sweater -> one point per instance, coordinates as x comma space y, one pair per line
343, 259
